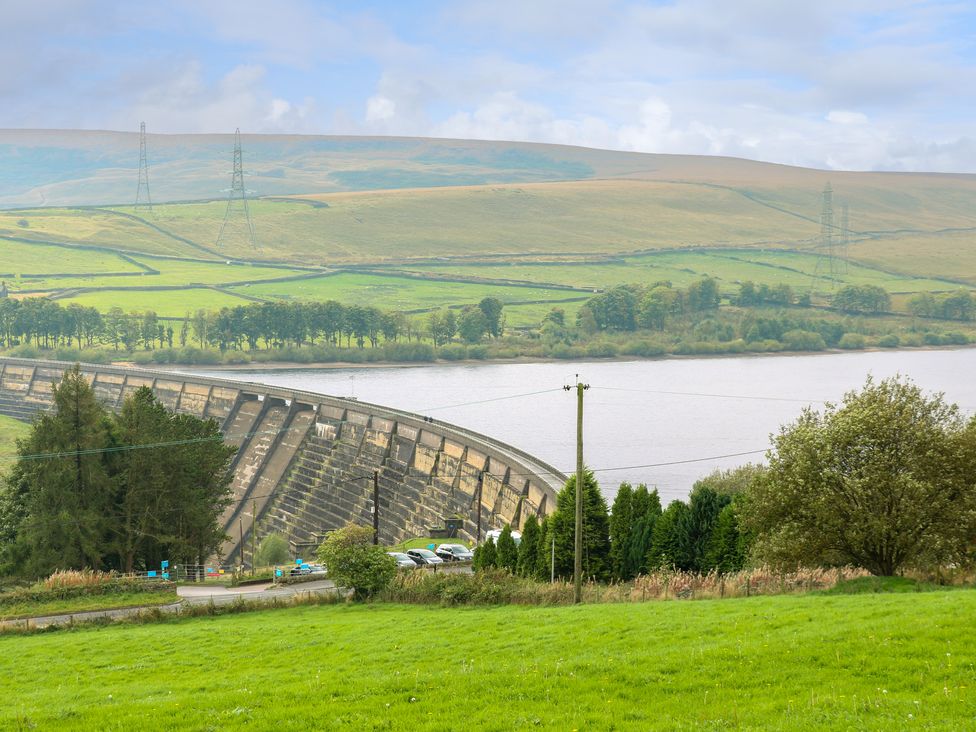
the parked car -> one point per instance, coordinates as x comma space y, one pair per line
303, 569
424, 557
403, 560
454, 553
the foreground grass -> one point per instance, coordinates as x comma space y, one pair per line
789, 662
84, 604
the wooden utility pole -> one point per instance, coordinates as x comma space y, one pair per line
578, 559
376, 507
481, 484
254, 533
240, 526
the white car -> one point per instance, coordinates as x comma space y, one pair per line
495, 533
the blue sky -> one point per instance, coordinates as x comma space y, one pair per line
848, 84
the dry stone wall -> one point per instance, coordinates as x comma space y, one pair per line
305, 463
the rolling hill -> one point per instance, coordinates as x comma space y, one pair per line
482, 215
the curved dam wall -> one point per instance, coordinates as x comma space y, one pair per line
305, 462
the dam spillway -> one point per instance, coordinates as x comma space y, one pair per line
305, 462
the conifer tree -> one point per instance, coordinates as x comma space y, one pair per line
646, 509
671, 545
507, 555
68, 495
596, 531
621, 528
528, 550
485, 556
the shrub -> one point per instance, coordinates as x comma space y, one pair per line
353, 561
889, 341
273, 549
851, 341
803, 340
645, 349
601, 349
453, 352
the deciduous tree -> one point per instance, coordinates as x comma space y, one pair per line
884, 480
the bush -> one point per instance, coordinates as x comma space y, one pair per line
353, 561
851, 341
409, 352
273, 549
646, 349
563, 351
601, 349
803, 340
235, 357
889, 341
453, 352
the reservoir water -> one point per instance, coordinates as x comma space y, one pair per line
664, 423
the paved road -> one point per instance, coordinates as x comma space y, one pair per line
190, 595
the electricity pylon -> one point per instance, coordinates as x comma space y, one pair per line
143, 199
826, 267
237, 216
845, 236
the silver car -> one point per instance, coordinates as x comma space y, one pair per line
402, 560
423, 557
454, 553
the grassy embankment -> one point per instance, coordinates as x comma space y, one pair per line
15, 610
790, 662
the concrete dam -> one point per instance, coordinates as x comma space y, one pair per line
306, 462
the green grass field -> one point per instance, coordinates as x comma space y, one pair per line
395, 293
799, 270
19, 258
166, 303
10, 430
866, 662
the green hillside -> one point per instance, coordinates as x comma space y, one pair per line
528, 218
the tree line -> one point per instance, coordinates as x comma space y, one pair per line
93, 489
46, 324
636, 537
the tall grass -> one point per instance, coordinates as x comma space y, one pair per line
78, 578
501, 588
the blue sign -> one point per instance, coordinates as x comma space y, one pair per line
277, 573
164, 564
165, 575
299, 562
431, 547
151, 573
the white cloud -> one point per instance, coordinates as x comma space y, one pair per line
380, 109
844, 117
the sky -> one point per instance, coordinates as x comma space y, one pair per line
835, 84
